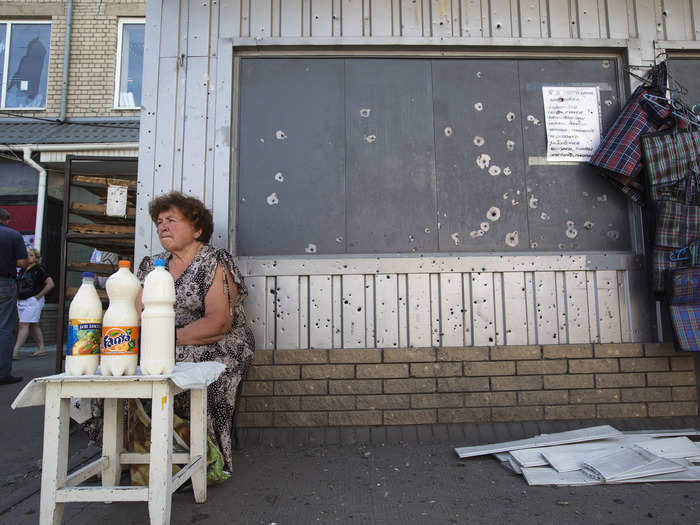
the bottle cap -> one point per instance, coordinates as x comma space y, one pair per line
89, 274
159, 262
124, 264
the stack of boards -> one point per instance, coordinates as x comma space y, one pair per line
598, 455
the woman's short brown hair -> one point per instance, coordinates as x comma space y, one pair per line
191, 208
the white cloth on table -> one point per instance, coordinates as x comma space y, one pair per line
184, 375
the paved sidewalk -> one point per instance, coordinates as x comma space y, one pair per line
377, 475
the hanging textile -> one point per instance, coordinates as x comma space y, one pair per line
673, 173
619, 154
684, 305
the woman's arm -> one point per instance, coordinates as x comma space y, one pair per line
48, 286
217, 314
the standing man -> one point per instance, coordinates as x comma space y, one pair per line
12, 254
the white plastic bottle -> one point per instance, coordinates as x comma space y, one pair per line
84, 329
119, 350
158, 321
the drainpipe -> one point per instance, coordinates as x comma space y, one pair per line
40, 196
66, 60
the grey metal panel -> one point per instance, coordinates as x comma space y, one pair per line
593, 215
291, 190
390, 156
480, 179
686, 71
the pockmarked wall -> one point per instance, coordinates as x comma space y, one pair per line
328, 307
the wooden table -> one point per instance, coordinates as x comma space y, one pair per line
57, 487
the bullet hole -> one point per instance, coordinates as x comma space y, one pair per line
476, 233
483, 160
613, 234
506, 196
479, 141
585, 194
485, 226
562, 245
602, 198
279, 177
510, 145
448, 131
479, 106
281, 135
370, 138
338, 240
608, 102
364, 113
272, 199
535, 121
571, 233
544, 216
242, 199
455, 238
493, 214
533, 244
569, 224
411, 238
262, 140
533, 202
606, 63
494, 170
588, 225
507, 171
512, 239
510, 116
479, 74
427, 230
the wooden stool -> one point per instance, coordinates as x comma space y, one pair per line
58, 488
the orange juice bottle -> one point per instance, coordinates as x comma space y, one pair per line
119, 348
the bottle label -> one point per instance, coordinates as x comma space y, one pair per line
84, 337
120, 340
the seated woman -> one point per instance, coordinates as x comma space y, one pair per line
209, 317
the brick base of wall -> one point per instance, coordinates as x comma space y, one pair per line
353, 387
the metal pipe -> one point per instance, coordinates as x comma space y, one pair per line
66, 59
40, 196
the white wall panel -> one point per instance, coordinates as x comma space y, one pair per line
386, 310
322, 18
370, 334
353, 308
530, 19
290, 18
411, 18
471, 20
515, 308
501, 22
381, 18
260, 18
560, 19
608, 306
402, 303
483, 313
352, 13
287, 311
255, 308
435, 330
194, 144
577, 307
320, 311
270, 312
419, 310
546, 308
451, 309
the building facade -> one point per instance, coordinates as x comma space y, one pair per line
411, 251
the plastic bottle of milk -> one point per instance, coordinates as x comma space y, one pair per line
119, 350
158, 321
84, 329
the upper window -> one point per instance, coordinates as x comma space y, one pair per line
24, 56
127, 93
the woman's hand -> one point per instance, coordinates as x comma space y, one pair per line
218, 316
48, 286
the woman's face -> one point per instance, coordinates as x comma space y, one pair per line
175, 231
31, 257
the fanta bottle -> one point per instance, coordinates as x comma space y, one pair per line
119, 350
158, 321
84, 329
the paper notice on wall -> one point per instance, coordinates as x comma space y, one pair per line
572, 120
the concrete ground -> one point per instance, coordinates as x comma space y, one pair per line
377, 475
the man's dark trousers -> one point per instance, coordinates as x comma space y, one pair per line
8, 324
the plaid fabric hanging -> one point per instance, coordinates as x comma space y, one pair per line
619, 154
673, 173
684, 301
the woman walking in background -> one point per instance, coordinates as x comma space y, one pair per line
33, 283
